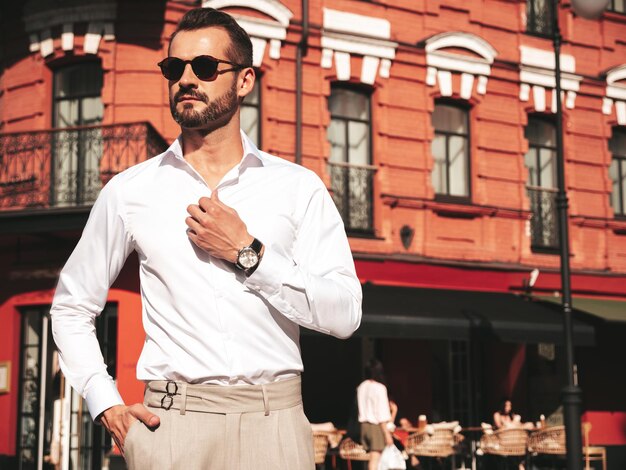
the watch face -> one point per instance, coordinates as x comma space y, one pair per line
248, 258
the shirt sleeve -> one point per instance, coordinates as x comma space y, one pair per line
317, 289
81, 295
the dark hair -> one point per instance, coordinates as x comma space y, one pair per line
503, 405
240, 48
374, 371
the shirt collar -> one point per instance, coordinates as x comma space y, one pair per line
251, 154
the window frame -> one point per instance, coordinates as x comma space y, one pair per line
542, 248
467, 110
611, 7
367, 92
620, 158
531, 19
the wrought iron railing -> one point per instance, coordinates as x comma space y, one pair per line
543, 222
68, 167
352, 189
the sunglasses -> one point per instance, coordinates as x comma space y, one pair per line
204, 66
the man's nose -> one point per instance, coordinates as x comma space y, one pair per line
188, 78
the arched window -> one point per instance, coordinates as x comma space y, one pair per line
450, 150
349, 134
540, 160
617, 171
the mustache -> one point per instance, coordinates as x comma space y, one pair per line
192, 93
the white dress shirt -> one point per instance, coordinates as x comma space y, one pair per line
373, 402
205, 322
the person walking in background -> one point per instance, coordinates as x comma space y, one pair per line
226, 280
374, 412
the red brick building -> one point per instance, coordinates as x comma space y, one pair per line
432, 123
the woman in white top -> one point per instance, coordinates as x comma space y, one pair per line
374, 412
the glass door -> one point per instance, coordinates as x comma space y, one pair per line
55, 430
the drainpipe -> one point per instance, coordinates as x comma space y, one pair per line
301, 52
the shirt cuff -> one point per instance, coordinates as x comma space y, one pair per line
101, 395
268, 277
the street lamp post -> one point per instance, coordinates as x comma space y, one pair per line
571, 393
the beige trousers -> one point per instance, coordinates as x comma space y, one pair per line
213, 427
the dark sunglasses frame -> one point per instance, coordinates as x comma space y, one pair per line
195, 66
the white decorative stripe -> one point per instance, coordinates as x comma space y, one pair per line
273, 8
620, 108
458, 63
546, 79
467, 85
607, 106
92, 38
385, 67
46, 46
34, 42
462, 40
67, 37
616, 74
543, 59
109, 31
524, 92
570, 101
481, 88
617, 92
342, 65
553, 106
445, 82
275, 49
261, 28
258, 50
327, 58
362, 46
369, 69
431, 76
539, 98
352, 23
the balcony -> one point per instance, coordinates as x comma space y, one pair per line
352, 190
66, 168
544, 229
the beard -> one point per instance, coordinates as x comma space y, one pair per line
216, 113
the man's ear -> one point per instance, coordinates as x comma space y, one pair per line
245, 83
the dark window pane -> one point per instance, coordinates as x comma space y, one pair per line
78, 80
450, 119
349, 104
251, 114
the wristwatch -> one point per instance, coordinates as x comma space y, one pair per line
249, 257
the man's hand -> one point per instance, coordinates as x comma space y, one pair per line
217, 229
118, 419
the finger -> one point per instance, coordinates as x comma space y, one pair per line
195, 212
205, 203
144, 415
193, 224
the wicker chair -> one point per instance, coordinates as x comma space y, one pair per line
550, 441
441, 443
350, 450
320, 447
510, 442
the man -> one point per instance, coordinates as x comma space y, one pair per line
237, 249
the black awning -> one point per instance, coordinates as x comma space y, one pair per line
406, 312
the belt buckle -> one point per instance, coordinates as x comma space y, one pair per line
169, 394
